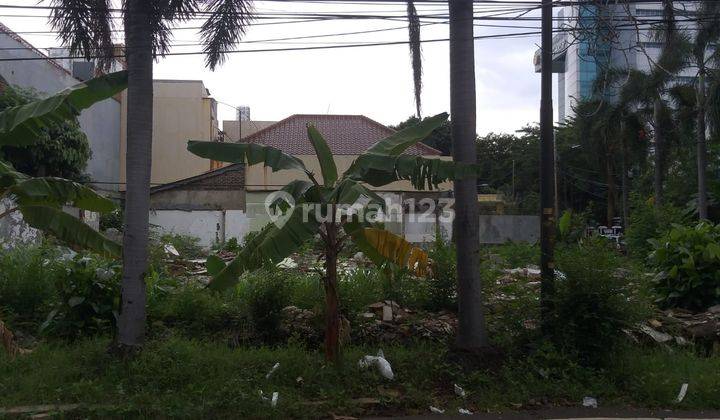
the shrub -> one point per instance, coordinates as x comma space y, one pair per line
443, 282
266, 293
186, 246
26, 282
646, 223
88, 298
112, 220
194, 310
688, 263
593, 303
518, 254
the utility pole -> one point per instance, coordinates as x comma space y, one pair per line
547, 167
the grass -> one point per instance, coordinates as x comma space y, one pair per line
187, 378
188, 368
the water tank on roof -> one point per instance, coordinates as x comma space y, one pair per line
83, 70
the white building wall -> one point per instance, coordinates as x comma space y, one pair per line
101, 122
210, 226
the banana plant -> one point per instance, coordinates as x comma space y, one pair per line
40, 200
322, 208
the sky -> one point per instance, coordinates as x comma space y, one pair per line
373, 81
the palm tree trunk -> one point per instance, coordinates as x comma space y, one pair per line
702, 203
610, 179
332, 306
131, 327
659, 153
471, 328
625, 181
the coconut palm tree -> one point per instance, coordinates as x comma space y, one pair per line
707, 35
86, 27
648, 91
471, 329
332, 208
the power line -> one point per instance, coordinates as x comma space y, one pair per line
337, 45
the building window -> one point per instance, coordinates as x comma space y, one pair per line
648, 12
652, 44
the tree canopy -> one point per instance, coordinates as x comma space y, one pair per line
62, 149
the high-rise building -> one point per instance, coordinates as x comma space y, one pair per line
592, 37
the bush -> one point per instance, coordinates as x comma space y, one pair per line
443, 282
194, 310
688, 263
646, 223
112, 220
266, 293
88, 298
518, 254
593, 303
186, 246
26, 282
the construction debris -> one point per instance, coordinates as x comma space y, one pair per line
590, 402
287, 263
655, 335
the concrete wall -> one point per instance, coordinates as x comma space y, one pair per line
183, 110
101, 122
176, 199
14, 231
230, 127
210, 226
498, 229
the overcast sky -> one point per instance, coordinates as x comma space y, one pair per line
373, 81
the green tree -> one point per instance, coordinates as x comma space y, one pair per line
440, 139
707, 36
86, 27
648, 91
324, 208
510, 165
62, 149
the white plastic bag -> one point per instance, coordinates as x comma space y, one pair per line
382, 364
274, 368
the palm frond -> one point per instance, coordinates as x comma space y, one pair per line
85, 27
415, 53
226, 25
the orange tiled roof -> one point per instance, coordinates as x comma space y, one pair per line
345, 134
